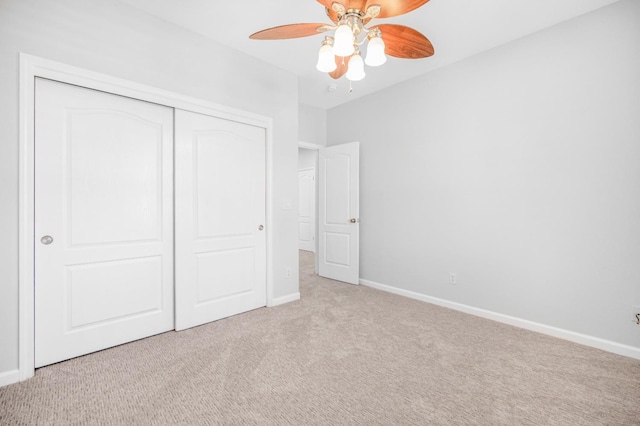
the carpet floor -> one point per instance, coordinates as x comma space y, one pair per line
341, 355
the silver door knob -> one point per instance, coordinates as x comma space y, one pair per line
46, 240
260, 228
354, 220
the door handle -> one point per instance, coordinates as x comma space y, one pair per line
354, 220
46, 240
260, 228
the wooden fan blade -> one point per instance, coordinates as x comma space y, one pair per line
405, 42
328, 5
343, 65
289, 31
391, 8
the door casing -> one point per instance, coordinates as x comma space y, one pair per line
32, 67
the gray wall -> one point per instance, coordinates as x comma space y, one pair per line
518, 169
312, 124
112, 38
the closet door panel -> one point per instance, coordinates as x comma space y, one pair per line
103, 220
220, 216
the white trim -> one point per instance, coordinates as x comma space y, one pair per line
285, 299
32, 67
583, 339
309, 145
269, 217
9, 377
26, 320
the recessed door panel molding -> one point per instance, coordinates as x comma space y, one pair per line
112, 291
220, 218
339, 220
304, 233
337, 249
113, 163
223, 156
103, 214
225, 274
307, 209
337, 174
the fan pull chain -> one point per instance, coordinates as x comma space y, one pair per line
350, 86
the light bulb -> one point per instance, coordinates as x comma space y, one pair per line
356, 68
375, 52
326, 59
343, 45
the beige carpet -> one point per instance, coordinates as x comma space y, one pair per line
342, 355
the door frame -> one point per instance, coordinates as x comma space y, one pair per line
32, 67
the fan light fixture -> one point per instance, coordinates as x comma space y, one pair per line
346, 45
344, 41
340, 54
326, 58
375, 49
356, 67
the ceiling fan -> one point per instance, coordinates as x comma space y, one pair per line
340, 54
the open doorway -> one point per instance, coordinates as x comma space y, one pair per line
328, 181
307, 199
308, 202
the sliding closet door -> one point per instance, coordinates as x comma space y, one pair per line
220, 216
103, 220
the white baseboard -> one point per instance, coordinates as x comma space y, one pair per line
9, 377
583, 339
285, 299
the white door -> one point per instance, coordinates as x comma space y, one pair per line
307, 210
220, 217
339, 222
103, 220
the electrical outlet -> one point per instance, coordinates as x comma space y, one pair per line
288, 273
452, 278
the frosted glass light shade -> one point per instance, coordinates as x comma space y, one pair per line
343, 45
326, 59
375, 52
356, 68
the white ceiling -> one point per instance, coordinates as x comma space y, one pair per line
457, 29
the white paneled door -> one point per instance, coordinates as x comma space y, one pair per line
307, 210
339, 209
103, 220
220, 218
